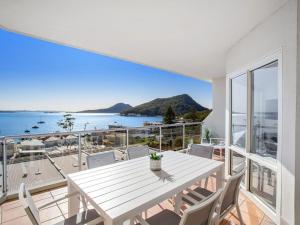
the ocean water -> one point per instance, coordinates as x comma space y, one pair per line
15, 123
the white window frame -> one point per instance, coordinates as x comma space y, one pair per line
273, 164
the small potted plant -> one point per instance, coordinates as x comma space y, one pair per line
155, 161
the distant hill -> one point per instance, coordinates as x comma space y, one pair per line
117, 108
181, 104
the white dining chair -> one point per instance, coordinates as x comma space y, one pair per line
202, 213
228, 200
134, 152
88, 216
100, 159
201, 150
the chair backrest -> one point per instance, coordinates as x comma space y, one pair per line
203, 213
29, 206
231, 191
137, 151
100, 159
205, 151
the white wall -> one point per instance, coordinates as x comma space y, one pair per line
216, 120
278, 32
297, 181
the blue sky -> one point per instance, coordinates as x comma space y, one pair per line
39, 75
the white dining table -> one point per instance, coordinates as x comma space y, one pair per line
123, 190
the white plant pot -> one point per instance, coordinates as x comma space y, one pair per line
155, 164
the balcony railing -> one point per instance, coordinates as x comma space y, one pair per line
44, 160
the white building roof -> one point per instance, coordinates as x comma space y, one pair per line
33, 142
52, 139
70, 137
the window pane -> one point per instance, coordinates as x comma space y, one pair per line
238, 162
239, 110
265, 110
263, 183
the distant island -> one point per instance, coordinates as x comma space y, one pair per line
184, 106
181, 104
117, 108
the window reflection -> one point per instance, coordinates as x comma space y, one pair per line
239, 110
238, 162
263, 183
265, 110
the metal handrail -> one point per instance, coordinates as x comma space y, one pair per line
79, 134
98, 130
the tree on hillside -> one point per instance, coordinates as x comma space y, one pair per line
169, 116
197, 116
192, 115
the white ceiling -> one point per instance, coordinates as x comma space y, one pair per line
190, 37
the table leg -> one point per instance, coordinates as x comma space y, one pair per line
73, 201
220, 177
178, 202
127, 222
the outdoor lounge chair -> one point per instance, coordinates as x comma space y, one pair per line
89, 216
203, 213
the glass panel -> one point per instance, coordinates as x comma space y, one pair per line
239, 110
265, 110
31, 161
172, 138
192, 134
147, 136
238, 162
263, 183
95, 142
63, 151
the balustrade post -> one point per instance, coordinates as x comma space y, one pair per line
160, 136
127, 138
200, 136
183, 136
79, 152
5, 188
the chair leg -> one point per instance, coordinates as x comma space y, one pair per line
131, 221
84, 202
178, 202
206, 182
239, 214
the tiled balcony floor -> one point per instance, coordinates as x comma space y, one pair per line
12, 212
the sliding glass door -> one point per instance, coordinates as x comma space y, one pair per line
254, 118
